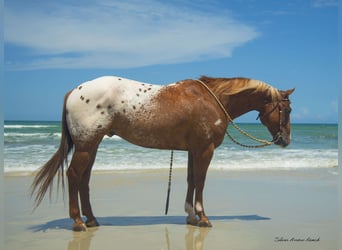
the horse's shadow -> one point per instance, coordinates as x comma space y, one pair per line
139, 221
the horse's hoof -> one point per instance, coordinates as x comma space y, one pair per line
204, 223
79, 227
92, 223
192, 220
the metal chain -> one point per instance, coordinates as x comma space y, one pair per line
169, 185
264, 142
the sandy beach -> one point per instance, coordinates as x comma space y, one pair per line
293, 209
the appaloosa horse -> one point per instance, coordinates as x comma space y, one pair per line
180, 116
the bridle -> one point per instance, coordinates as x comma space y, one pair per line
264, 143
282, 111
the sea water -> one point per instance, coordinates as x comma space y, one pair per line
28, 145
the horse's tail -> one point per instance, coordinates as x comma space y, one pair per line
44, 178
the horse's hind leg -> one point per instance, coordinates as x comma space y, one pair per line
84, 196
76, 172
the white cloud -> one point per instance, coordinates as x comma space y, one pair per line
325, 3
119, 34
300, 114
334, 106
316, 114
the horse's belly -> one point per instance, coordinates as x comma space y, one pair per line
157, 138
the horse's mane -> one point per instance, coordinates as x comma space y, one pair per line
233, 86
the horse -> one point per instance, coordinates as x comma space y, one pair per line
189, 115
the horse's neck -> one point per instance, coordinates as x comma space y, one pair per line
240, 104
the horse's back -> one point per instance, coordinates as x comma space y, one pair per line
92, 105
111, 86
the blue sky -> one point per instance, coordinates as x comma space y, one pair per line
52, 46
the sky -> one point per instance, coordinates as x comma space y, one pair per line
52, 46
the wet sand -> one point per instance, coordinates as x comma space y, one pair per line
294, 209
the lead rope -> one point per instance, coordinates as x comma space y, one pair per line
264, 142
169, 186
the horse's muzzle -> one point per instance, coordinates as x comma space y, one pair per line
281, 140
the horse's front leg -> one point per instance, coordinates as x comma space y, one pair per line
201, 164
191, 219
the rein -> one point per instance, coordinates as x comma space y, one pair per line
264, 143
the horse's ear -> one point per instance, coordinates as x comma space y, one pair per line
287, 93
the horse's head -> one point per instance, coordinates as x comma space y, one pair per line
276, 117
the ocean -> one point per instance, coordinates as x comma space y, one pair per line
28, 145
